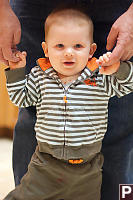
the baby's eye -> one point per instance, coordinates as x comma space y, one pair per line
59, 45
78, 46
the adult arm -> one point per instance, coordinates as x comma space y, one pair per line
10, 33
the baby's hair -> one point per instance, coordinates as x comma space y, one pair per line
64, 13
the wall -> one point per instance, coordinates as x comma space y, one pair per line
8, 111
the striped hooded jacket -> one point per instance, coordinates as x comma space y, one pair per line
71, 122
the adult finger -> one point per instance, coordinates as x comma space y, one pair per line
8, 54
112, 38
17, 36
116, 55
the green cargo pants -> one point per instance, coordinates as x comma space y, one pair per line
49, 178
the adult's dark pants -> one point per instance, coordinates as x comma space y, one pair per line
118, 142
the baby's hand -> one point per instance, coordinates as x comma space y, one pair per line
107, 70
21, 62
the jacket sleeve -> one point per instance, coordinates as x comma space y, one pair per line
121, 82
22, 89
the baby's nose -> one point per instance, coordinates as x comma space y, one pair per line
68, 52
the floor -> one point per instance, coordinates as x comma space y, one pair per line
6, 174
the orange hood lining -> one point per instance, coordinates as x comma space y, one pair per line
45, 64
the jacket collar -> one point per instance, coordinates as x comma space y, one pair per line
90, 70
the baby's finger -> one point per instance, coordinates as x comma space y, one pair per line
21, 55
18, 54
105, 58
109, 54
98, 62
24, 53
101, 59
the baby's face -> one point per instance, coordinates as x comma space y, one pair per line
68, 48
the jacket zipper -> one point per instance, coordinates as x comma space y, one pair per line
65, 91
65, 102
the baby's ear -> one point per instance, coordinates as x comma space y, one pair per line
93, 48
45, 48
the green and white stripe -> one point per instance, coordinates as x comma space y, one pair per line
80, 121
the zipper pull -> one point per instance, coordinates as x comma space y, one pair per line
65, 99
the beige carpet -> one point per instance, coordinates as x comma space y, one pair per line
6, 174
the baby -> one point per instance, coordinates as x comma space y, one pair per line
71, 95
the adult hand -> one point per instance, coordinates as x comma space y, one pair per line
10, 33
121, 35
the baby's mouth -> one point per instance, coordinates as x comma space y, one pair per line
69, 63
